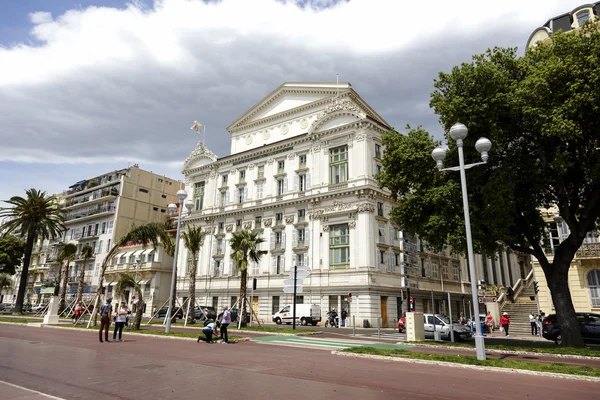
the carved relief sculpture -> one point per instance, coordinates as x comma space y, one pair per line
366, 207
229, 227
325, 228
248, 225
289, 219
268, 222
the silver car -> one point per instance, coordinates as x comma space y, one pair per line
442, 324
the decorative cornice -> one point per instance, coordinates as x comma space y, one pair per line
336, 108
199, 152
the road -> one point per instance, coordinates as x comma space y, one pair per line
74, 365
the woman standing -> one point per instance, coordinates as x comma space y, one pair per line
505, 322
120, 319
77, 313
489, 322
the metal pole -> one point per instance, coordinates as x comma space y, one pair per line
479, 343
251, 298
433, 312
172, 296
451, 324
378, 327
353, 326
294, 299
408, 305
537, 300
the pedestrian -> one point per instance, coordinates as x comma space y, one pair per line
540, 318
209, 330
120, 319
77, 312
489, 323
154, 310
225, 321
105, 313
505, 322
344, 315
533, 323
461, 319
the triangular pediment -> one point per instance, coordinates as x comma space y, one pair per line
287, 97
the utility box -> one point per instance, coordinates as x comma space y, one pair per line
51, 316
415, 331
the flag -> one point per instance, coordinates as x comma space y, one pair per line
197, 125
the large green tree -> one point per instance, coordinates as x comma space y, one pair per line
12, 250
87, 252
542, 114
153, 233
36, 215
244, 250
192, 239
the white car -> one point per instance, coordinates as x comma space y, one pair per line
38, 307
442, 325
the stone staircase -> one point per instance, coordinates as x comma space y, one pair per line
519, 312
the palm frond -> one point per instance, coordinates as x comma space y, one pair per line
5, 282
192, 238
87, 252
125, 282
66, 251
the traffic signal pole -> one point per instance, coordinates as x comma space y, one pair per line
537, 297
294, 300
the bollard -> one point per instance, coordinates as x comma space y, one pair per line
379, 327
353, 326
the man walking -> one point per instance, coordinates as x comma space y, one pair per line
105, 313
533, 323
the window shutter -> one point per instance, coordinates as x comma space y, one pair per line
307, 181
274, 264
236, 197
283, 240
306, 264
294, 238
272, 240
214, 247
282, 263
306, 236
230, 272
218, 199
227, 197
296, 183
285, 185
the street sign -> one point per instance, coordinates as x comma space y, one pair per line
290, 282
301, 274
488, 299
290, 289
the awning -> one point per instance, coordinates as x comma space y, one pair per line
143, 282
127, 254
77, 184
147, 251
137, 253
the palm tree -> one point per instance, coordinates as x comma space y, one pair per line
192, 239
38, 216
244, 247
66, 253
126, 281
153, 233
6, 282
87, 252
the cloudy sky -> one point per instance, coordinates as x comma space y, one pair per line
88, 86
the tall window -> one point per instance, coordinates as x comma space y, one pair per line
302, 183
377, 150
275, 306
281, 186
302, 161
380, 209
301, 214
198, 195
594, 284
261, 172
455, 271
583, 17
224, 179
339, 245
281, 167
241, 195
434, 270
243, 176
338, 164
259, 190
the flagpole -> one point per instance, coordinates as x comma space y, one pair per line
204, 136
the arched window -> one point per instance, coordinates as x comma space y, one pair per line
593, 278
583, 17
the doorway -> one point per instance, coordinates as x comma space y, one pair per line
384, 319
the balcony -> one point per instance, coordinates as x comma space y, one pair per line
381, 240
589, 250
300, 245
84, 214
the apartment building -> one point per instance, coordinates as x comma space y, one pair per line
98, 211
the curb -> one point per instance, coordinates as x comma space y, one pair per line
515, 352
244, 339
473, 367
278, 334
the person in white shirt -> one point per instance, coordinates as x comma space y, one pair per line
533, 322
120, 319
225, 321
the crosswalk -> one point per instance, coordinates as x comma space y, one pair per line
317, 343
397, 337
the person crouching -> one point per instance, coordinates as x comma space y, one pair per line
212, 328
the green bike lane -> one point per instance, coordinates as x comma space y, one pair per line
314, 342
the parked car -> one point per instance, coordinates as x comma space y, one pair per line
162, 313
305, 314
210, 312
442, 325
402, 325
26, 307
38, 307
589, 326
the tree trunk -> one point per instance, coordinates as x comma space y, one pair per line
63, 291
94, 316
81, 282
139, 310
192, 291
243, 288
557, 278
24, 272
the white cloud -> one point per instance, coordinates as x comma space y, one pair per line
114, 85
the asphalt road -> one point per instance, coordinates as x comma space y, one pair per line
74, 365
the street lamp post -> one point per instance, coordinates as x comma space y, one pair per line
458, 132
181, 195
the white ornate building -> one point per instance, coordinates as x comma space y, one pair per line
301, 172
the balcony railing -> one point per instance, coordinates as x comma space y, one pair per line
87, 213
589, 250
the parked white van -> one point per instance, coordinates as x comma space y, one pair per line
305, 314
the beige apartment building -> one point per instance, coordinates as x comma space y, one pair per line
98, 211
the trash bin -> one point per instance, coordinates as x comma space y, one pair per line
366, 323
437, 336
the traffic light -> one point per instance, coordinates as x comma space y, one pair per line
536, 287
253, 283
349, 295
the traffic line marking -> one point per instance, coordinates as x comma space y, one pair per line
49, 396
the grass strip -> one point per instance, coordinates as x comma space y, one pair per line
193, 335
559, 368
18, 320
541, 349
273, 329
